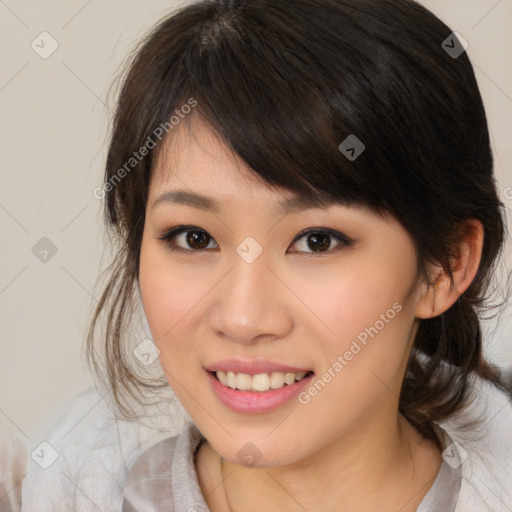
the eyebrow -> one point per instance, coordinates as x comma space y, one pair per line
294, 203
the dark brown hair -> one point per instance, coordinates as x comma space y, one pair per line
283, 83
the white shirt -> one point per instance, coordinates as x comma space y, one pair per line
96, 453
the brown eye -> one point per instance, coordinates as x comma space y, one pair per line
319, 240
197, 239
188, 239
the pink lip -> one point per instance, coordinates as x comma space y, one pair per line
256, 402
252, 367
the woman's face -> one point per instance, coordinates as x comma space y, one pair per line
241, 283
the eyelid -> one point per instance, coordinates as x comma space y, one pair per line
321, 229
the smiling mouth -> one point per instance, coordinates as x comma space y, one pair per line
260, 382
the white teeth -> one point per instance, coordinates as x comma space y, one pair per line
277, 380
243, 381
259, 382
289, 378
230, 380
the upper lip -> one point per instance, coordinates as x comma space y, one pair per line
252, 367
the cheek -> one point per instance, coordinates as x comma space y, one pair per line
169, 299
167, 295
367, 310
361, 364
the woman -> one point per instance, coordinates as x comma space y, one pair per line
305, 198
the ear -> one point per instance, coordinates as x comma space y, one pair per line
441, 293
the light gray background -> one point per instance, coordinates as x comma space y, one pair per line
54, 127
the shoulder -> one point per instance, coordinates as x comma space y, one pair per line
164, 477
482, 445
151, 476
85, 457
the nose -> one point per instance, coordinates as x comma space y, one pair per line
251, 304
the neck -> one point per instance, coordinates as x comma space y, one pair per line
378, 467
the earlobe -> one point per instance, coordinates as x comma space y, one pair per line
442, 291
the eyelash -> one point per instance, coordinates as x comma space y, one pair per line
169, 235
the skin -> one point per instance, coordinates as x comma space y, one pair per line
348, 448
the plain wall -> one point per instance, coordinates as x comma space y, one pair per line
54, 127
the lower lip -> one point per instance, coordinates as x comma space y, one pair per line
256, 402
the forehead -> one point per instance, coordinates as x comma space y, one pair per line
194, 153
194, 162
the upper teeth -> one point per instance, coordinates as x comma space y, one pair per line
259, 382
